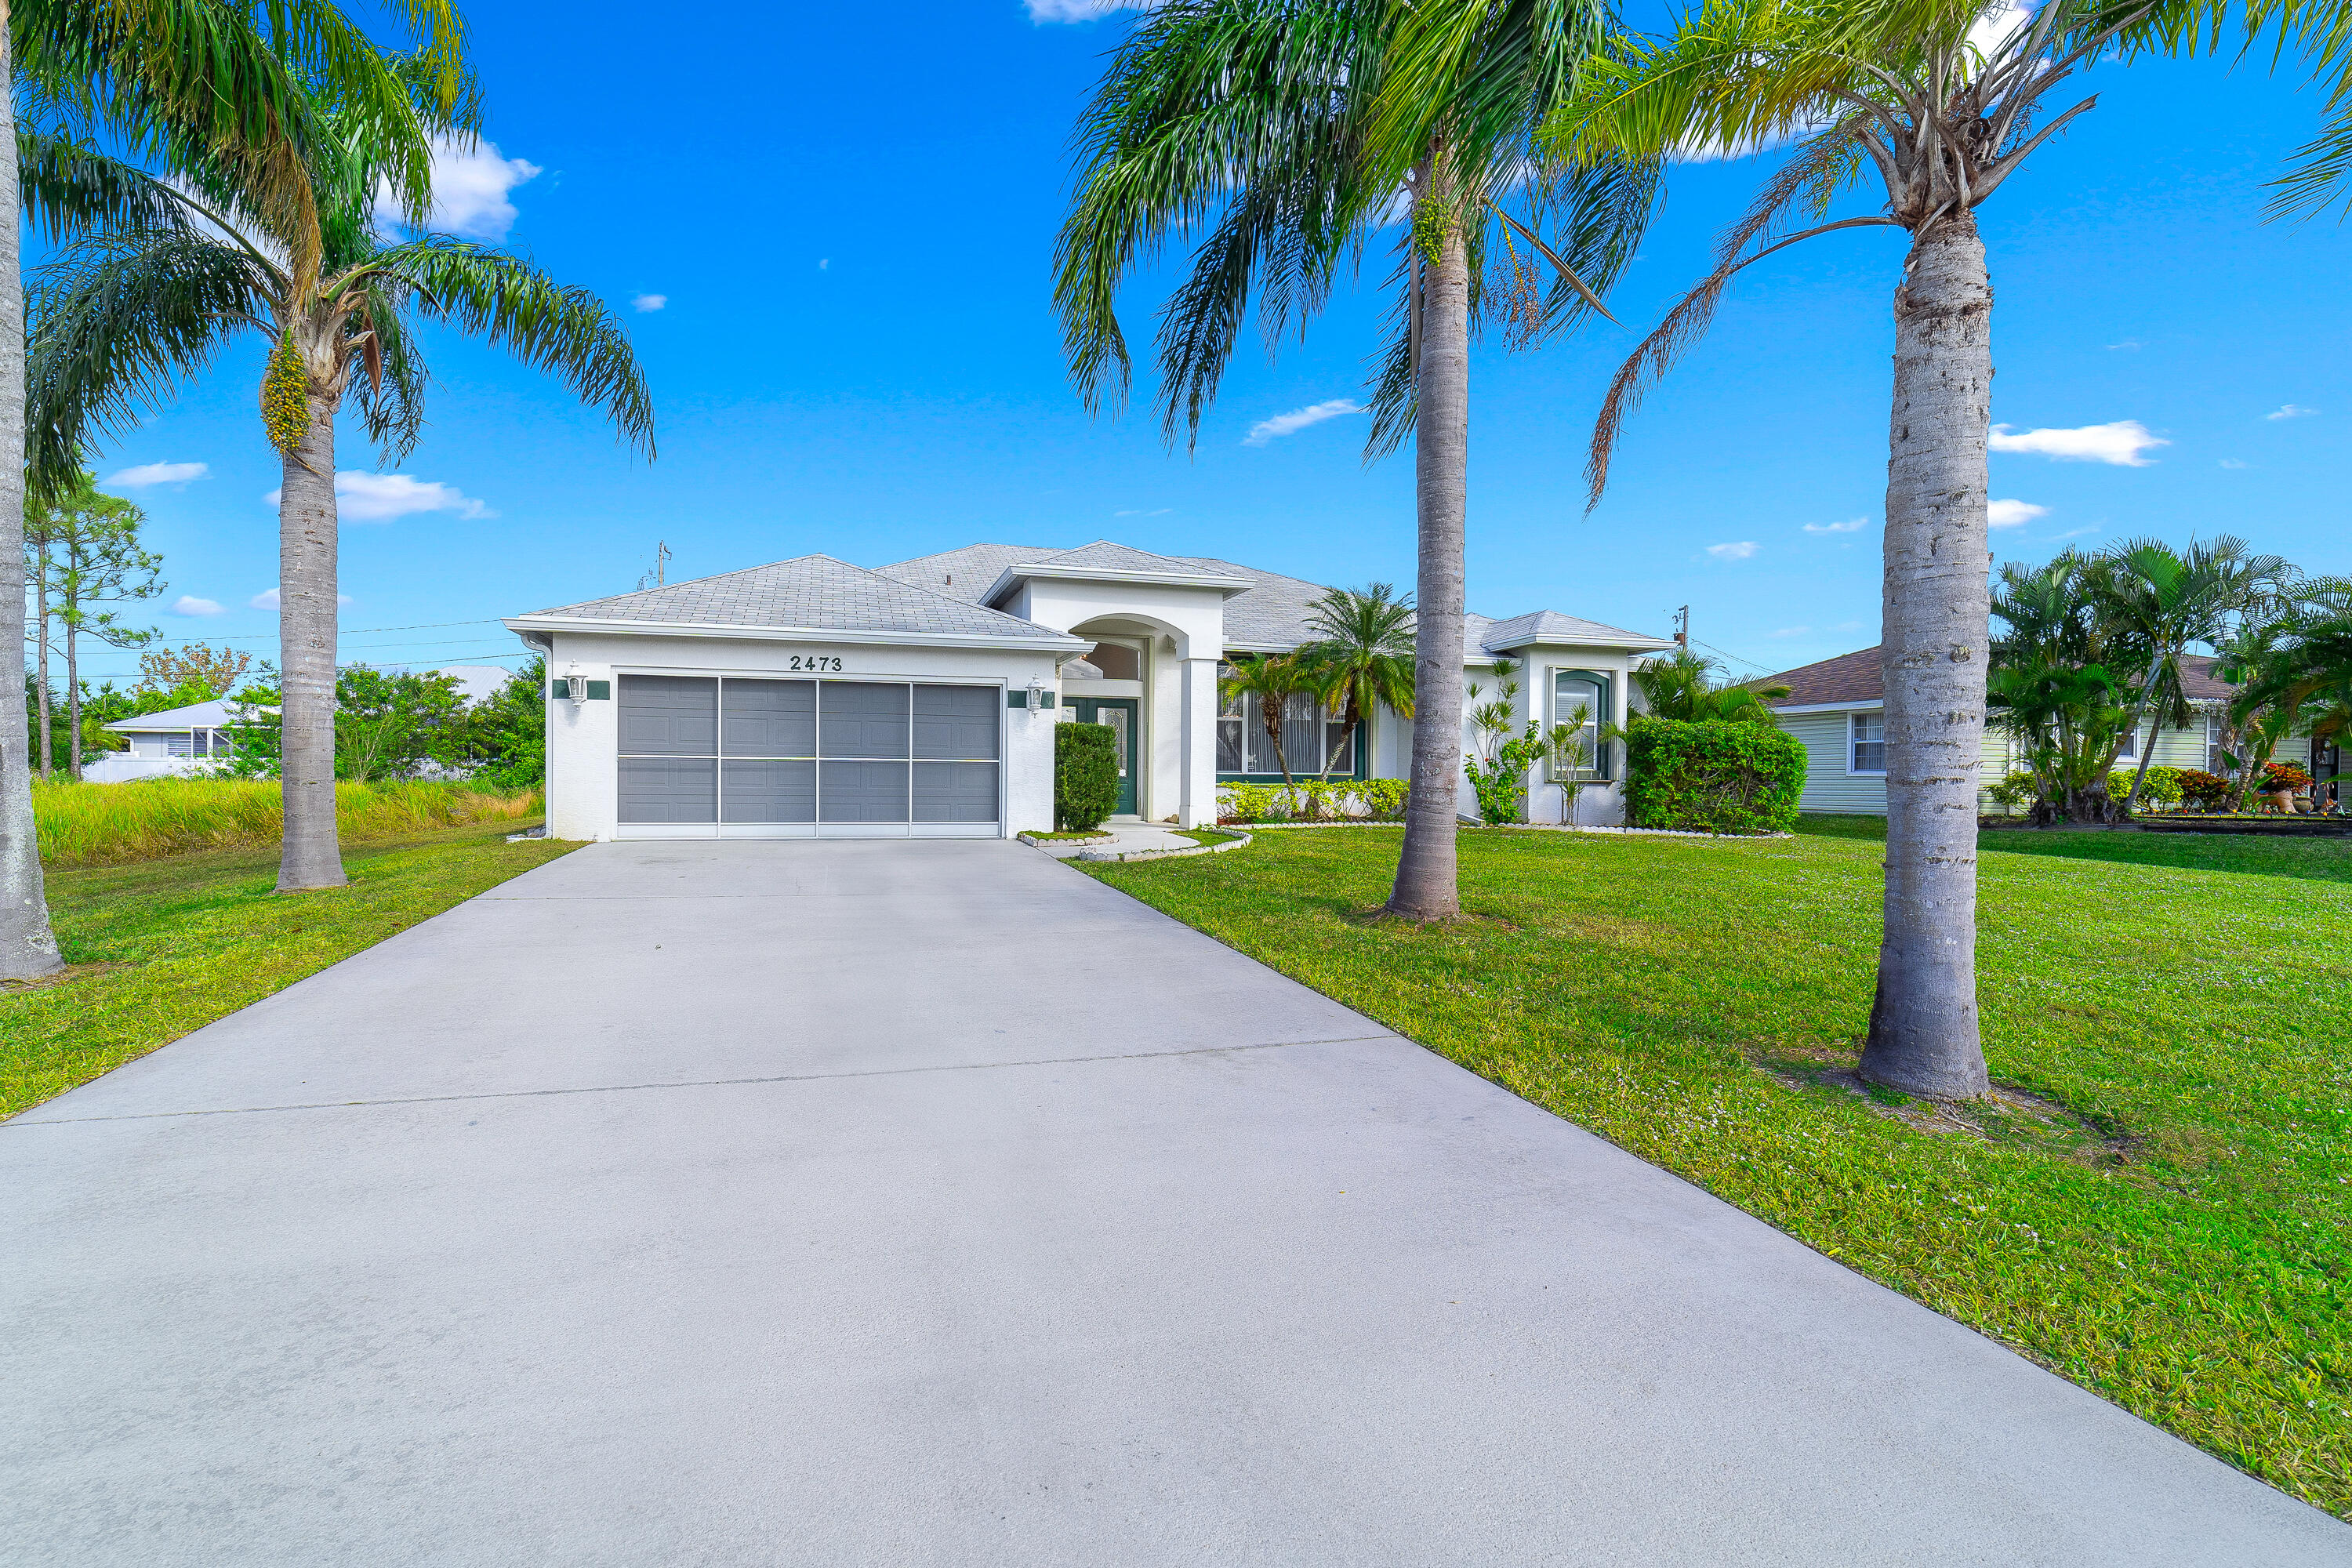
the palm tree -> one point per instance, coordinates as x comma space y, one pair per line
1911, 94
1291, 134
1683, 685
158, 74
2169, 601
123, 316
1362, 656
1271, 681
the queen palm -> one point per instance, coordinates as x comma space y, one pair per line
1913, 93
1287, 136
1361, 656
156, 74
1270, 680
123, 317
1683, 685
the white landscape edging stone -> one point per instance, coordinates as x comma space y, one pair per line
1238, 840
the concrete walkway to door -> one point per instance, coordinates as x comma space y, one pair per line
896, 1204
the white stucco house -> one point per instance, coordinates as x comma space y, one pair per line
811, 698
1837, 708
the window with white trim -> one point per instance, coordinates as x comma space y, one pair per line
1866, 746
1588, 692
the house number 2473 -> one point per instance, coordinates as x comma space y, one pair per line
815, 661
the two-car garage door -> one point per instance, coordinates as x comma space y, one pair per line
754, 758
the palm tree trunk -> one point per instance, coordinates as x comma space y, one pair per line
41, 641
27, 947
306, 543
1427, 886
1923, 1023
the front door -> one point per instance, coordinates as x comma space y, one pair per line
1119, 712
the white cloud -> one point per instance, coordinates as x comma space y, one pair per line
1992, 29
470, 182
1042, 11
2077, 532
2233, 462
644, 302
379, 498
2013, 513
144, 474
1139, 511
822, 262
2129, 345
1791, 632
1851, 525
2120, 443
1298, 419
1740, 550
2290, 411
189, 604
267, 600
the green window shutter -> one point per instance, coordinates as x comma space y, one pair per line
1015, 698
600, 691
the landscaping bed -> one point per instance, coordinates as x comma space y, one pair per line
162, 948
2158, 1210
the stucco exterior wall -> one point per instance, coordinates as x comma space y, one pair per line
582, 775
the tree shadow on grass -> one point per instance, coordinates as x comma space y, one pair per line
2239, 854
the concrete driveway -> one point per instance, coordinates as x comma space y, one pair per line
896, 1204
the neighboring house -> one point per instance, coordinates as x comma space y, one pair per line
811, 698
1837, 708
176, 741
188, 740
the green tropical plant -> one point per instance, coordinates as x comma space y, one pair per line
1270, 681
1285, 135
123, 316
505, 732
1361, 656
1085, 776
156, 78
1685, 686
1935, 117
1712, 776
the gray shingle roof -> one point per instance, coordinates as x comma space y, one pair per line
814, 591
1275, 611
1550, 627
965, 574
1105, 556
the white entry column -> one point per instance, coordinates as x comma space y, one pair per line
1198, 807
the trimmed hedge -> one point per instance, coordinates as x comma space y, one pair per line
1086, 775
1712, 777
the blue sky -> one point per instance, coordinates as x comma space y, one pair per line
847, 228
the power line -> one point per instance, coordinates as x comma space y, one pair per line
364, 631
1760, 668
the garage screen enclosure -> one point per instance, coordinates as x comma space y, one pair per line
743, 757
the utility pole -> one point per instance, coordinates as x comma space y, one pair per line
1681, 628
659, 576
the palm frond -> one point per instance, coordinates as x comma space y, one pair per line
116, 322
1806, 183
566, 331
391, 378
72, 187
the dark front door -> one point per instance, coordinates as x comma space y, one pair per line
1119, 712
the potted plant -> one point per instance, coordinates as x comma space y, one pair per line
2282, 783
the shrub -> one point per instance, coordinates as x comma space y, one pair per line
1247, 802
1712, 777
2284, 777
2012, 791
2204, 791
2163, 785
1086, 775
1383, 799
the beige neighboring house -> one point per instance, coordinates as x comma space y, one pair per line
1837, 708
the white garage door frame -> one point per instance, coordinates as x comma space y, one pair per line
819, 829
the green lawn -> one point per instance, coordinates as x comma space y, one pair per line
166, 946
2171, 1232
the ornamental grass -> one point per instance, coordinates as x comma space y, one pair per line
111, 824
